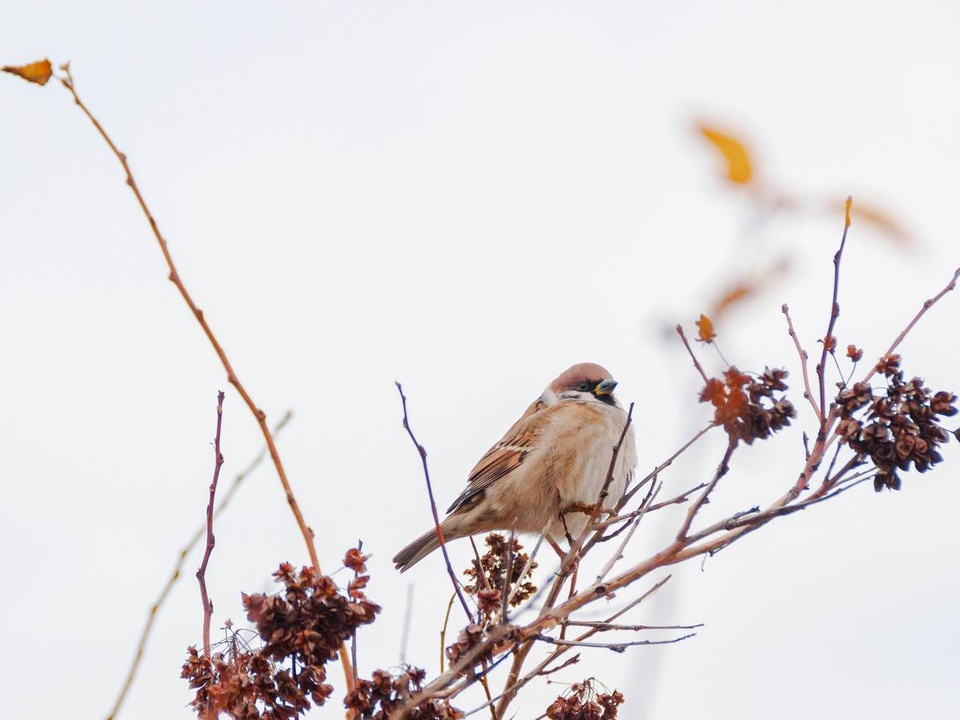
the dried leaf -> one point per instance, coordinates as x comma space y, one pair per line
705, 329
713, 392
355, 560
36, 72
739, 167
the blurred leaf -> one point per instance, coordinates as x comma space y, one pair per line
746, 287
878, 219
739, 167
705, 328
36, 72
738, 292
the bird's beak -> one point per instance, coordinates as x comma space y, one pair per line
605, 387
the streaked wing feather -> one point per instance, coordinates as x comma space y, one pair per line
506, 455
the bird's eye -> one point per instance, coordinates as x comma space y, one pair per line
584, 386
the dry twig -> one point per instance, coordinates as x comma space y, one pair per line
174, 276
211, 541
433, 504
178, 566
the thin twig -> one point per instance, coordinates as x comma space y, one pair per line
211, 540
507, 575
804, 361
541, 668
636, 601
829, 341
604, 491
612, 468
615, 647
433, 503
618, 555
665, 464
485, 684
222, 505
443, 630
174, 276
602, 626
950, 286
529, 564
686, 344
722, 469
678, 499
353, 640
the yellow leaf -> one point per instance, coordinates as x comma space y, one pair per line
36, 72
739, 167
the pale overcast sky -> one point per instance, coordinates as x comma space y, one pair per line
467, 198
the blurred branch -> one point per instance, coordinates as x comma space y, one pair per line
175, 575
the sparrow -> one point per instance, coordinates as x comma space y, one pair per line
546, 474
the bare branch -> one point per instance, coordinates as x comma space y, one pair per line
615, 647
602, 626
178, 566
829, 341
704, 498
618, 555
433, 503
804, 360
174, 276
211, 541
686, 344
665, 464
950, 286
604, 491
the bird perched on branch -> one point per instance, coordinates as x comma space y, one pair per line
548, 472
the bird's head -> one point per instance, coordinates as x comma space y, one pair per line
584, 381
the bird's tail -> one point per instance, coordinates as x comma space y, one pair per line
418, 550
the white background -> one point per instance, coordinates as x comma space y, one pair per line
466, 198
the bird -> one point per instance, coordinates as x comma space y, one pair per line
547, 472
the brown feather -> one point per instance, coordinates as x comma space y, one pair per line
505, 456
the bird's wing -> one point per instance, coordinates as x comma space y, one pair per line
507, 455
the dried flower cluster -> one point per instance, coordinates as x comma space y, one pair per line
900, 427
304, 624
749, 408
382, 696
468, 637
247, 685
583, 702
489, 574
